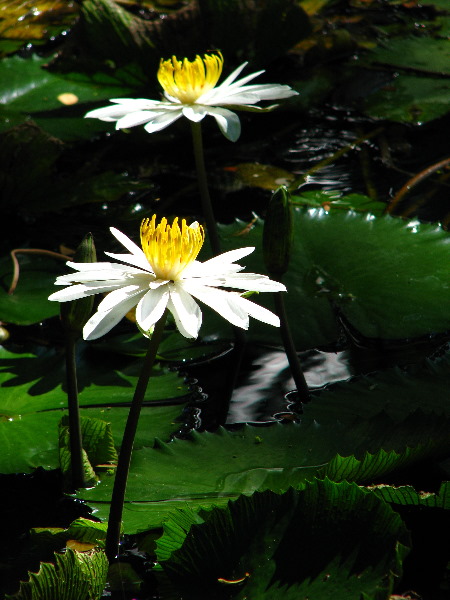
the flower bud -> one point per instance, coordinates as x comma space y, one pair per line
277, 234
76, 313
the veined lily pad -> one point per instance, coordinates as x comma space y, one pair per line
326, 540
388, 277
33, 401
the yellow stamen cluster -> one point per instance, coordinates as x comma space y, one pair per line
169, 249
188, 80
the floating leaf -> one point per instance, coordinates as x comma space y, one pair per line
407, 496
421, 53
29, 302
27, 88
266, 177
74, 576
396, 392
326, 540
211, 467
98, 447
330, 201
33, 21
387, 277
33, 398
410, 99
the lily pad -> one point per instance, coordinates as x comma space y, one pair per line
27, 88
33, 401
74, 576
420, 53
326, 540
31, 21
388, 277
410, 99
29, 303
212, 467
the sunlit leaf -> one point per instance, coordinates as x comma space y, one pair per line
25, 21
98, 447
211, 467
387, 277
410, 99
408, 496
27, 88
422, 53
326, 540
33, 398
74, 576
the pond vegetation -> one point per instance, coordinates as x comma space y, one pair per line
307, 461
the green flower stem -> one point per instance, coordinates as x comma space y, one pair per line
289, 347
76, 444
203, 188
123, 465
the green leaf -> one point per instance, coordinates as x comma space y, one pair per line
175, 530
27, 89
211, 467
328, 540
32, 400
407, 496
421, 53
85, 530
74, 576
29, 303
33, 21
81, 530
98, 447
396, 392
387, 277
410, 99
330, 201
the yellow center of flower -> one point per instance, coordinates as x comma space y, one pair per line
169, 249
188, 80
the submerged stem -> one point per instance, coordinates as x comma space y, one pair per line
123, 465
203, 188
291, 353
76, 443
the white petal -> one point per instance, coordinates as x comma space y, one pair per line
152, 306
122, 107
241, 82
163, 120
227, 121
274, 91
256, 311
186, 311
74, 292
194, 112
220, 301
91, 266
236, 98
102, 322
118, 296
229, 257
138, 117
94, 276
133, 104
133, 259
108, 113
222, 264
253, 282
226, 82
125, 241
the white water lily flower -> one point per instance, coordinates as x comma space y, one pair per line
165, 274
190, 90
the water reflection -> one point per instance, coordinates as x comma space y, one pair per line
260, 393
